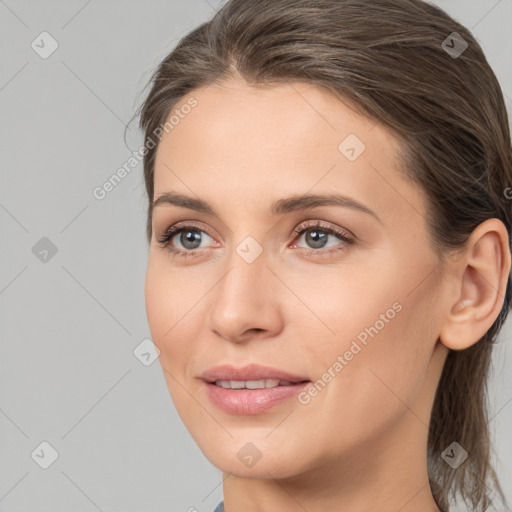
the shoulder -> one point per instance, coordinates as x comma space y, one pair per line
219, 507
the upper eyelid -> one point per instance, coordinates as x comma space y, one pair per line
178, 226
320, 224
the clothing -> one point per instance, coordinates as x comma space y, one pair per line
219, 507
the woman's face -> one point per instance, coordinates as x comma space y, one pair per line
357, 314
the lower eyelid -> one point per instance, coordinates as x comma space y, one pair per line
343, 245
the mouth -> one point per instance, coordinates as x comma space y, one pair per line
255, 384
251, 389
251, 376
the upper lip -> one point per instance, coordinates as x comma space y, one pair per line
248, 372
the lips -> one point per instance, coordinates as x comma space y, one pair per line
251, 372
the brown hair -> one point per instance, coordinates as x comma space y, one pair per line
399, 63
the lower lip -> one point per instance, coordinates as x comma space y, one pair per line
251, 401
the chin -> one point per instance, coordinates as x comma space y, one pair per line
250, 459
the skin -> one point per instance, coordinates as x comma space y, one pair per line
360, 443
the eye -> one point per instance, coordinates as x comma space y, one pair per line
316, 235
189, 236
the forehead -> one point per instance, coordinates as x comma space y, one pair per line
278, 116
268, 142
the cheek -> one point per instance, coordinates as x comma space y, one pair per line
173, 324
171, 309
377, 359
169, 294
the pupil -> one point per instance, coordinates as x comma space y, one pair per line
190, 236
320, 238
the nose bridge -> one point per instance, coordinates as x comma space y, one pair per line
244, 298
246, 263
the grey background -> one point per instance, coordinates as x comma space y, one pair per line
69, 325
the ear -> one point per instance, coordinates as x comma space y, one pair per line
479, 279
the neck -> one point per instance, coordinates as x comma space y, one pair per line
388, 474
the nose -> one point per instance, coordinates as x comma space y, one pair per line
245, 303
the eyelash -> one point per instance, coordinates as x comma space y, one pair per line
345, 237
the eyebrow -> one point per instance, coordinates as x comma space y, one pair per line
279, 207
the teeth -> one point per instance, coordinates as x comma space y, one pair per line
252, 384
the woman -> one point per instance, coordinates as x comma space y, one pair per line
329, 262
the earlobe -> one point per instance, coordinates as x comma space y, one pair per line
480, 278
